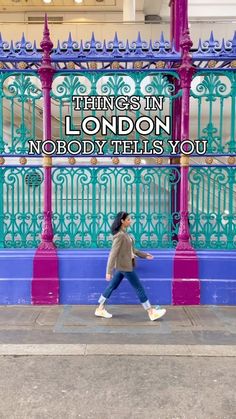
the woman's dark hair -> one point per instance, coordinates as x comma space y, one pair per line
116, 225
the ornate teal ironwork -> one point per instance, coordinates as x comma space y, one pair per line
215, 95
20, 94
20, 206
212, 211
87, 199
94, 83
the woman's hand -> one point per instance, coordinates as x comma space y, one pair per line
149, 256
108, 277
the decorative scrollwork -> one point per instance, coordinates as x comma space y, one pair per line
115, 86
83, 214
161, 86
20, 94
23, 87
68, 87
215, 94
211, 87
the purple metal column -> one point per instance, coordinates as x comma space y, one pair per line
186, 284
45, 283
176, 22
176, 25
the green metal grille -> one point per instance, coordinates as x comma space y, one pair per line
94, 83
212, 207
87, 199
19, 102
20, 206
213, 110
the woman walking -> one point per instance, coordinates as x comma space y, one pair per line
122, 258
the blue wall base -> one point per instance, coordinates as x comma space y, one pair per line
16, 269
88, 291
82, 277
217, 270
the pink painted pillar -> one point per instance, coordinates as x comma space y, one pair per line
186, 284
176, 26
176, 22
45, 283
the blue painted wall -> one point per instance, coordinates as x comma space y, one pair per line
217, 270
16, 269
82, 277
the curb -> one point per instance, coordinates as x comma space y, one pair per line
117, 350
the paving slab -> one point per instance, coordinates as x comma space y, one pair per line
18, 316
74, 324
48, 316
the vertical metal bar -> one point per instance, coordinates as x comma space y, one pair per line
186, 285
2, 145
232, 147
2, 238
176, 23
186, 72
45, 284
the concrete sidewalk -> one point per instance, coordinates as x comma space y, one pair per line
74, 330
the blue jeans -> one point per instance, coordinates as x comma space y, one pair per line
134, 281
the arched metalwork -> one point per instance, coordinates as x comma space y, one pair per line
212, 212
86, 201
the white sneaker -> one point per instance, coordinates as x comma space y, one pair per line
157, 313
101, 312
